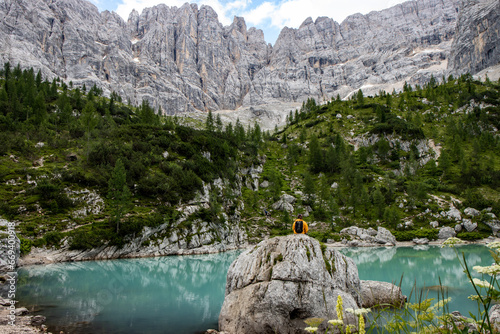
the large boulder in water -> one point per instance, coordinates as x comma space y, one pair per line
282, 281
375, 293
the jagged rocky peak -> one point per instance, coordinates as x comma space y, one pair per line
183, 59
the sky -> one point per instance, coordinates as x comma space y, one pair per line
269, 15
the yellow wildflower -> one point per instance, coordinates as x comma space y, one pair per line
314, 322
361, 324
311, 329
439, 304
340, 308
336, 322
473, 297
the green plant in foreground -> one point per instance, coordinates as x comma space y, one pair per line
425, 315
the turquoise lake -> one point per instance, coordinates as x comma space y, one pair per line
184, 294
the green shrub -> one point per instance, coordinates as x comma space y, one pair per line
431, 234
53, 238
88, 239
40, 242
52, 195
279, 231
25, 246
472, 235
324, 236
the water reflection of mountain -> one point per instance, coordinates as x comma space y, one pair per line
130, 292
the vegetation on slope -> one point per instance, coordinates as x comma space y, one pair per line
62, 146
395, 160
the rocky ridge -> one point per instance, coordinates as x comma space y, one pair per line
184, 60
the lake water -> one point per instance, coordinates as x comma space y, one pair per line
421, 270
184, 294
173, 294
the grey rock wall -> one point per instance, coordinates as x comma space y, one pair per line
476, 45
184, 60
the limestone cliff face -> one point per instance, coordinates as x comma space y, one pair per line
183, 59
476, 45
407, 42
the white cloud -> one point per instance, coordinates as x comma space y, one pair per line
260, 14
292, 13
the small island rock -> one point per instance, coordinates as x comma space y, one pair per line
282, 281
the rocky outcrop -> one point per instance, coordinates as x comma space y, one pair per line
282, 281
10, 250
494, 314
200, 238
477, 36
179, 59
446, 232
285, 203
375, 293
321, 58
24, 323
368, 237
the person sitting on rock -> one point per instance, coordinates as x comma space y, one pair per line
299, 226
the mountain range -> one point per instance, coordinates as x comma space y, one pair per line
183, 59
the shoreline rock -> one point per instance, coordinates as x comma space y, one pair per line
277, 284
24, 323
375, 293
282, 281
42, 256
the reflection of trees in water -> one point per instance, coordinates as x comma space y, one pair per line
88, 291
415, 264
420, 271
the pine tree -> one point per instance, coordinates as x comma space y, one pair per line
209, 123
229, 130
360, 100
378, 203
239, 131
218, 123
315, 155
39, 109
147, 114
303, 135
276, 184
89, 120
118, 193
309, 188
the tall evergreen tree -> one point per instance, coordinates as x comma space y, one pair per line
89, 120
218, 124
39, 109
209, 123
118, 193
315, 155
